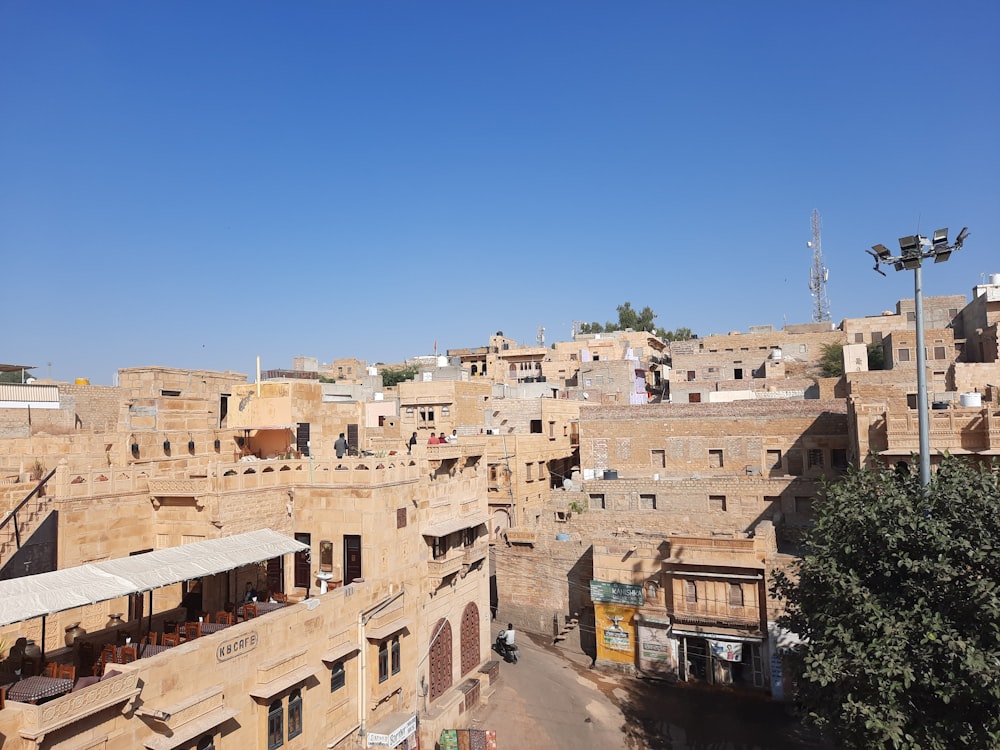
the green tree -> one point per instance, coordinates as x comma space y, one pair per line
678, 334
876, 357
395, 375
897, 599
831, 361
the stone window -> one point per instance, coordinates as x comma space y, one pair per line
395, 659
691, 375
528, 473
838, 459
294, 714
717, 502
647, 502
275, 725
940, 352
773, 458
658, 459
815, 458
715, 458
535, 427
690, 592
445, 411
794, 459
597, 502
383, 661
911, 316
427, 414
338, 676
400, 518
735, 595
859, 338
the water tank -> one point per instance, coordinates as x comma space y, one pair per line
82, 381
995, 279
939, 405
972, 400
442, 361
775, 354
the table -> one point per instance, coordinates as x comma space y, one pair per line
149, 649
213, 627
262, 608
33, 689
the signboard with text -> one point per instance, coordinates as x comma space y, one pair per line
610, 592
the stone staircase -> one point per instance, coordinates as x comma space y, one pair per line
23, 519
568, 627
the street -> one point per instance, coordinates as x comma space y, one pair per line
552, 699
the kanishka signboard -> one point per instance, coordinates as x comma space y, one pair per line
612, 592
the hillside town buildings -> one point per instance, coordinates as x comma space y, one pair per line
624, 496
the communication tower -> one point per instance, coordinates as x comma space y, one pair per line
540, 337
819, 274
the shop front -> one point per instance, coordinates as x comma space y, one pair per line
721, 658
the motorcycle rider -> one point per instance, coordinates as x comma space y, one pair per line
506, 639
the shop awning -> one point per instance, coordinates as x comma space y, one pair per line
444, 528
393, 729
47, 593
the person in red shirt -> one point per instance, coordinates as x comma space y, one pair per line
433, 440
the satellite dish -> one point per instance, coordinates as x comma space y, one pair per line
586, 396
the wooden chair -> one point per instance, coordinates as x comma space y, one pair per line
279, 596
150, 639
51, 668
192, 630
3, 697
171, 639
66, 672
224, 618
170, 626
209, 617
109, 655
249, 611
127, 654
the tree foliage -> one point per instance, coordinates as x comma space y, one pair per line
637, 320
831, 361
396, 375
897, 597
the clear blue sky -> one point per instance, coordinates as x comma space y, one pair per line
195, 184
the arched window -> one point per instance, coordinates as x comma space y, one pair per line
294, 714
470, 638
440, 659
275, 726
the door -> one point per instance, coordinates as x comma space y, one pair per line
276, 574
302, 438
302, 577
352, 558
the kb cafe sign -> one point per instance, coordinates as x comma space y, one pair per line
238, 646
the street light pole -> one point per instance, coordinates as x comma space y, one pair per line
914, 249
923, 418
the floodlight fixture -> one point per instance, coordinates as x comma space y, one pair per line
942, 256
910, 244
961, 237
940, 241
881, 250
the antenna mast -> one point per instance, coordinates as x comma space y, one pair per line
540, 336
819, 274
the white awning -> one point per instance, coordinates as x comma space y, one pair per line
46, 593
444, 528
393, 729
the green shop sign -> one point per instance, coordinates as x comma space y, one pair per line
616, 593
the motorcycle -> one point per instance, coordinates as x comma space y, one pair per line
509, 653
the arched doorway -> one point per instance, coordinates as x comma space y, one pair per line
470, 638
501, 522
440, 659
